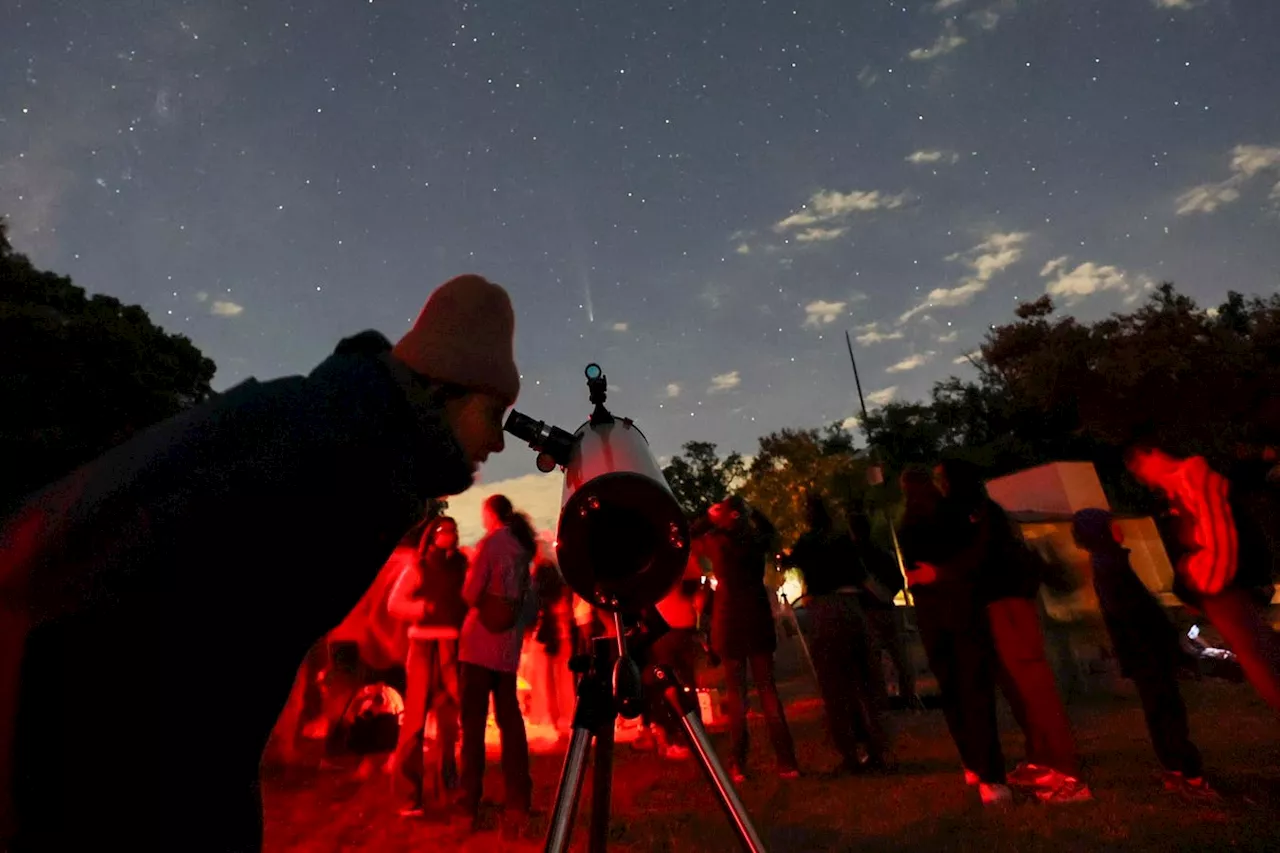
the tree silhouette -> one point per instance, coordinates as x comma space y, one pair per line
699, 477
79, 374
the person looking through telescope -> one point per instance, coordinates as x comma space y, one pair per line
104, 574
735, 538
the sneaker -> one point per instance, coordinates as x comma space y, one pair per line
1071, 790
1194, 789
1028, 775
995, 795
970, 778
412, 809
677, 752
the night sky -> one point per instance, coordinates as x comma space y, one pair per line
701, 196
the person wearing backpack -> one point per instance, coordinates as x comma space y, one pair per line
498, 591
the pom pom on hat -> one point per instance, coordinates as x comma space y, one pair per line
465, 336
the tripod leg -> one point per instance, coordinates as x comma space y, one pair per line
601, 789
685, 703
570, 788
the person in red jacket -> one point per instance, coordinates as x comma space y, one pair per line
428, 595
1208, 575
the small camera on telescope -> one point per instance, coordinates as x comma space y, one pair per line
622, 539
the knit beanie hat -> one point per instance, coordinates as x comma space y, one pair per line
465, 336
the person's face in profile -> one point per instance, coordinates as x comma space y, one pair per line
476, 420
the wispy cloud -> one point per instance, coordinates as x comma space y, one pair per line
1073, 285
883, 396
221, 308
928, 156
1247, 163
949, 40
1174, 4
968, 358
832, 206
743, 249
871, 334
911, 362
944, 5
619, 327
949, 337
673, 390
725, 382
998, 252
820, 313
819, 235
850, 423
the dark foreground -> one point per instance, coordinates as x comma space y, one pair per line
660, 806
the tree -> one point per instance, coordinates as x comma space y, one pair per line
793, 464
79, 374
699, 477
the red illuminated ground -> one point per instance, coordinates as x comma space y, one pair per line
659, 806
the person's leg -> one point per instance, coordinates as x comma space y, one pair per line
408, 755
1255, 644
1030, 684
870, 695
476, 684
447, 705
975, 687
940, 655
784, 748
515, 744
831, 645
735, 676
1166, 716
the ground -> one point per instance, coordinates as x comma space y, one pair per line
661, 806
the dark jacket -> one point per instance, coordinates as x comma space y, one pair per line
949, 543
829, 561
158, 601
441, 575
741, 615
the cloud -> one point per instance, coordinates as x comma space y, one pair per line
867, 77
826, 206
883, 396
871, 334
1173, 4
851, 423
743, 249
911, 362
538, 495
725, 382
929, 156
819, 235
949, 337
998, 252
201, 296
619, 327
948, 41
944, 5
221, 308
1247, 163
673, 389
1089, 278
820, 313
967, 358
1053, 266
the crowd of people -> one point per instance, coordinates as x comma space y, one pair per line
199, 561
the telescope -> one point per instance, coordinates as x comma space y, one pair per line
622, 543
622, 540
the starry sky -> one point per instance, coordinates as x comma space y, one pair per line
701, 196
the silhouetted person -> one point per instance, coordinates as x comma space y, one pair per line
736, 541
847, 664
1208, 575
159, 570
1009, 585
1146, 644
942, 559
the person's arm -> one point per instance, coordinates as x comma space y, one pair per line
1211, 566
401, 603
478, 574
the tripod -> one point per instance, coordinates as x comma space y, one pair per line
611, 686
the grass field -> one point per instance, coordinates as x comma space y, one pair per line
660, 806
